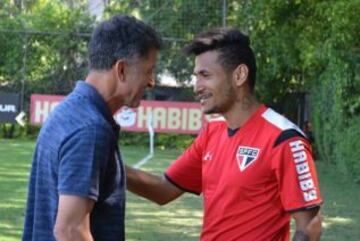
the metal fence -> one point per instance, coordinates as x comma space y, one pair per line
49, 59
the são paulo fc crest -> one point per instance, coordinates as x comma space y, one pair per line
245, 156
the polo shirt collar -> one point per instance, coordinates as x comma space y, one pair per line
87, 90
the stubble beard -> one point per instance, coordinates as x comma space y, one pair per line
228, 101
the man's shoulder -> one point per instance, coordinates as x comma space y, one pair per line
76, 105
73, 117
213, 128
216, 124
279, 127
77, 111
278, 121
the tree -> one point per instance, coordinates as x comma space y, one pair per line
178, 22
45, 45
311, 46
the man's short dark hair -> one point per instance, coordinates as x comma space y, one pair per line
121, 37
233, 46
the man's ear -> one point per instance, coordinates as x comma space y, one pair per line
119, 70
240, 74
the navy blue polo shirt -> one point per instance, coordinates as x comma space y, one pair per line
77, 154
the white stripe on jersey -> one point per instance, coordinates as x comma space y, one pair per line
280, 121
213, 118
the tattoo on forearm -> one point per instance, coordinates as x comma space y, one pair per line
300, 236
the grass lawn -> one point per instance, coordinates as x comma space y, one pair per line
178, 221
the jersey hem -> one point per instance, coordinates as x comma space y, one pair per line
312, 206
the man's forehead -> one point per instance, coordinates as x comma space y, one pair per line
205, 61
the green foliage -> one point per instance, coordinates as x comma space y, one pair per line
178, 22
347, 152
44, 46
133, 139
310, 46
271, 26
173, 141
336, 93
301, 46
327, 114
10, 131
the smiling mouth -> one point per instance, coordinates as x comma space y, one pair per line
203, 97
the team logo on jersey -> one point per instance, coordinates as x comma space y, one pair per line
245, 156
208, 156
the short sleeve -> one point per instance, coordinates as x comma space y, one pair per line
186, 171
83, 159
296, 174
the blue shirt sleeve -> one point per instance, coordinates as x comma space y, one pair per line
83, 159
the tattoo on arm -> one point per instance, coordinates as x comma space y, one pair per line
300, 236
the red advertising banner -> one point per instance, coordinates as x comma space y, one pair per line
41, 106
165, 116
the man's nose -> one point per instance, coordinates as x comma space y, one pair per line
198, 85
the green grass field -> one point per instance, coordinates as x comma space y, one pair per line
178, 221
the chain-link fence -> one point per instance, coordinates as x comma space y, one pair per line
44, 43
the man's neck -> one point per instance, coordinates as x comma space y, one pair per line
241, 111
103, 83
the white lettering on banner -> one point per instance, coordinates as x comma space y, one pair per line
166, 116
42, 110
159, 117
194, 119
142, 116
174, 120
302, 169
170, 118
7, 108
184, 121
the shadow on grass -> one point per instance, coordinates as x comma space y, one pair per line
179, 220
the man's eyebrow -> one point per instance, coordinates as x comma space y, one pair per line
202, 71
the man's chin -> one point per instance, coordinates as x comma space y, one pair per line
208, 111
134, 104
